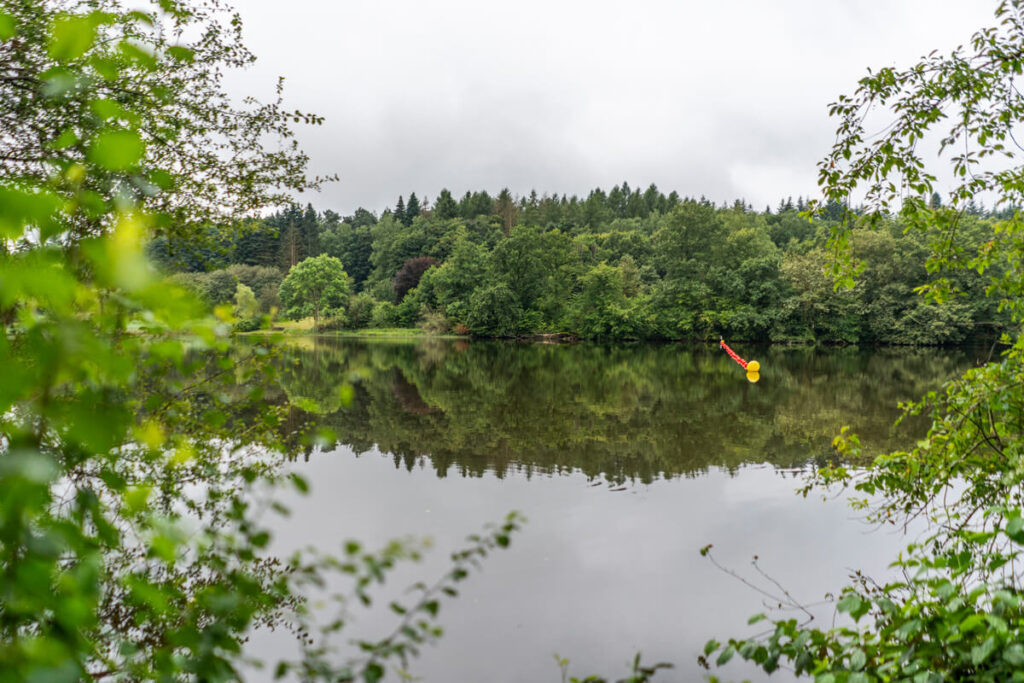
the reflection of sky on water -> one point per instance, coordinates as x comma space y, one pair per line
596, 574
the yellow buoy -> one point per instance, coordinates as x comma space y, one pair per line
752, 377
754, 366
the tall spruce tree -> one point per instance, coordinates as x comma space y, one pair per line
446, 206
412, 210
505, 208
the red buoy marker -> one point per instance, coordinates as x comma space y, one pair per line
753, 368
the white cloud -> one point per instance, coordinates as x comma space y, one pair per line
720, 99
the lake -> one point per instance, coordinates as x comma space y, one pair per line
625, 459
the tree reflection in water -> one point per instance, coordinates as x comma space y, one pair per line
622, 412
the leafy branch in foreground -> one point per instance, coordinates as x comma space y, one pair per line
639, 673
135, 95
136, 447
417, 621
952, 607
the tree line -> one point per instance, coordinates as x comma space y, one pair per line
623, 264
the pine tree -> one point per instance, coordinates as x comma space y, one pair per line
636, 207
465, 205
400, 209
505, 208
310, 226
446, 206
617, 202
653, 199
412, 209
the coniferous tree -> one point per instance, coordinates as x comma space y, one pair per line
412, 210
616, 202
400, 209
505, 208
476, 204
636, 207
361, 218
653, 199
446, 206
833, 211
310, 232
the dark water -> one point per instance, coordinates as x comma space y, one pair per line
626, 460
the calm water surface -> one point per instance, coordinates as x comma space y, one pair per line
625, 459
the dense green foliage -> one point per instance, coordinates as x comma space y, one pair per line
220, 286
628, 265
137, 456
953, 608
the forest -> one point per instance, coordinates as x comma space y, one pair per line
623, 264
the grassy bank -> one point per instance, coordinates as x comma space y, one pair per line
305, 327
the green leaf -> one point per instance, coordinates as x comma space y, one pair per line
979, 653
1015, 529
299, 482
137, 55
971, 622
1014, 655
373, 672
116, 150
855, 605
71, 37
64, 140
182, 54
108, 109
7, 26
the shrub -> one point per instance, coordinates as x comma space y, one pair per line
360, 310
248, 324
384, 314
246, 306
494, 312
434, 322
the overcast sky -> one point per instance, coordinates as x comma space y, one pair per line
722, 99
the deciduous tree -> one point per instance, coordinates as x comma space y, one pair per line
318, 286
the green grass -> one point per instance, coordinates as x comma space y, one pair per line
305, 327
382, 332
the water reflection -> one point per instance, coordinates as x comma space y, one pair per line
623, 412
595, 576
